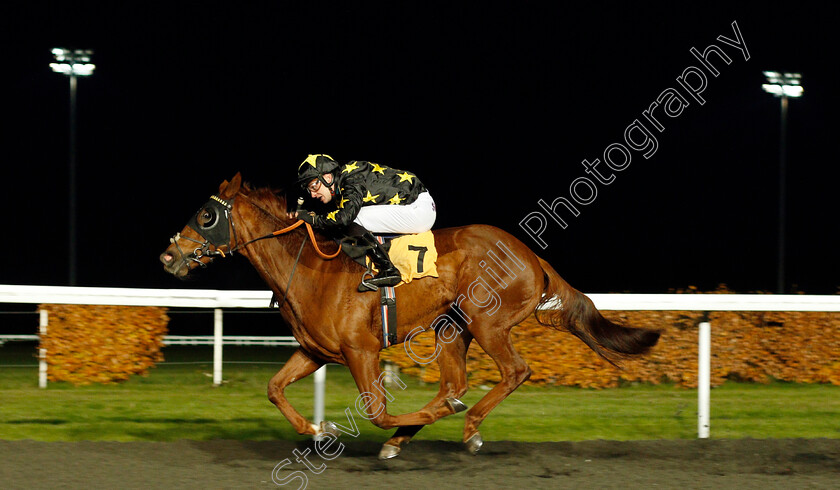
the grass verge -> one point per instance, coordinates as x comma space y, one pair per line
178, 401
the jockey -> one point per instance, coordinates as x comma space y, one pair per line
375, 198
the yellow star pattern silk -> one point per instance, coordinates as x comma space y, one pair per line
341, 204
396, 199
378, 168
350, 167
370, 198
332, 214
405, 176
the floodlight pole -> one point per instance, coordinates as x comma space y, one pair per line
782, 85
780, 276
71, 182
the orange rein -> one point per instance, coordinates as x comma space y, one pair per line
311, 236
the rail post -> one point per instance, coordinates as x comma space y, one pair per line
42, 353
319, 382
217, 346
704, 378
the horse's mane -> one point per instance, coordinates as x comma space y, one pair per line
272, 204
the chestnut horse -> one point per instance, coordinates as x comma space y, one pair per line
333, 322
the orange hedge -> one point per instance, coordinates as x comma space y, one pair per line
102, 344
749, 346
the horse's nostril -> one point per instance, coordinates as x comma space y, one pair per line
166, 257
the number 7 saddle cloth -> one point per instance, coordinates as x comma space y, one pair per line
414, 255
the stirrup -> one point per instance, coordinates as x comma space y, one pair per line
370, 284
364, 285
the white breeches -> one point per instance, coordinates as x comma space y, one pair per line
416, 217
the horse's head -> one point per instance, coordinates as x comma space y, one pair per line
207, 234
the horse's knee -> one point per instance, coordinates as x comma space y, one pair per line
275, 393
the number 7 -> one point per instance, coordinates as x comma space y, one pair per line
420, 256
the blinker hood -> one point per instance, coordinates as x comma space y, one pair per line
217, 229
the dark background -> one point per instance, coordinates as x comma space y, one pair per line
493, 106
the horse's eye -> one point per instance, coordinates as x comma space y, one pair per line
207, 218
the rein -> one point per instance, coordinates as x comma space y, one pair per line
286, 230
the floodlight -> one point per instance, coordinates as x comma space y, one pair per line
783, 84
792, 90
73, 62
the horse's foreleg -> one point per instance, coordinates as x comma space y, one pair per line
297, 367
452, 361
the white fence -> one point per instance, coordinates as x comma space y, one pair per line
197, 298
260, 299
708, 303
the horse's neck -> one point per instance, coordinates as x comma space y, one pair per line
273, 258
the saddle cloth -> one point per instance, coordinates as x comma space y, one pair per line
414, 255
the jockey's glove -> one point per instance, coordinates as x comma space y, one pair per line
307, 216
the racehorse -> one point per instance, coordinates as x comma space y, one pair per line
333, 322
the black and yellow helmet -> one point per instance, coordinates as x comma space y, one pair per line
314, 167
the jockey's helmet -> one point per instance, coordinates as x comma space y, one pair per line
314, 167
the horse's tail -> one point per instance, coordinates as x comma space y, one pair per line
577, 314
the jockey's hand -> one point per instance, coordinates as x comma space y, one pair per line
307, 216
292, 215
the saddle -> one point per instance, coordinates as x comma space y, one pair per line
414, 255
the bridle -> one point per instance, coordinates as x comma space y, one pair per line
213, 223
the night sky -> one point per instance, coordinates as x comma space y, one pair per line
493, 107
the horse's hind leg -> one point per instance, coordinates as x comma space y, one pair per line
452, 361
514, 370
297, 367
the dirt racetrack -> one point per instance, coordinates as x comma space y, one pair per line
742, 464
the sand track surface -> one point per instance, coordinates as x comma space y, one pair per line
742, 464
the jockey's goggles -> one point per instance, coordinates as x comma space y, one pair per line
315, 184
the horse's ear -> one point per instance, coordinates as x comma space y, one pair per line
229, 189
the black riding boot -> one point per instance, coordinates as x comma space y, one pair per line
388, 275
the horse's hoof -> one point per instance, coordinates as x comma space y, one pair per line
388, 451
329, 428
474, 443
456, 405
